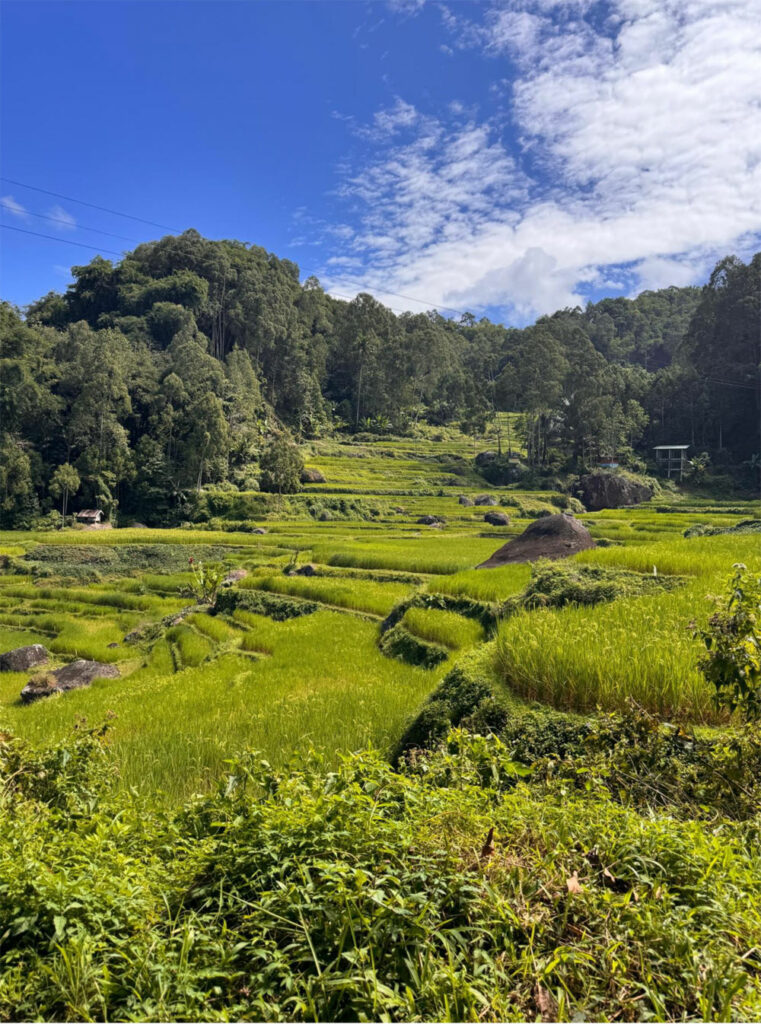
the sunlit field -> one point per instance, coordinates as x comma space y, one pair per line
196, 687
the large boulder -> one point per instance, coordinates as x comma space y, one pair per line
22, 658
497, 519
465, 500
74, 676
556, 536
485, 499
612, 490
312, 476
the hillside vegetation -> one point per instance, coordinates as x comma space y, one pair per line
183, 364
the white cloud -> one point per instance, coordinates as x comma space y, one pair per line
639, 144
9, 204
408, 7
62, 218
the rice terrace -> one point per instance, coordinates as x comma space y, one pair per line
380, 599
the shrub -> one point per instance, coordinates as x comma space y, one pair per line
281, 465
263, 603
732, 662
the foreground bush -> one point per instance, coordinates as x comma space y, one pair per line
461, 889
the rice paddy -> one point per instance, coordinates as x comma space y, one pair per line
294, 660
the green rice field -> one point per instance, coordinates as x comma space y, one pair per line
196, 685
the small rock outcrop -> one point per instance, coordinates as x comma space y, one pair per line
485, 499
74, 676
497, 519
259, 530
325, 516
485, 458
555, 536
22, 658
465, 500
429, 521
612, 490
305, 570
312, 476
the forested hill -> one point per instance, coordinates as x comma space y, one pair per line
168, 369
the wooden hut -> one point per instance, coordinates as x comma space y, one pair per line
90, 516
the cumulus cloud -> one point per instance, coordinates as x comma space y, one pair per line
9, 205
635, 143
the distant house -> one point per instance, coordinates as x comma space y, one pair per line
671, 459
90, 516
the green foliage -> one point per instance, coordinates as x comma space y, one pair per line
732, 638
556, 584
207, 579
281, 466
462, 694
356, 892
64, 482
484, 613
262, 603
164, 372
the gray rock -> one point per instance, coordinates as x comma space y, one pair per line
312, 476
485, 458
465, 500
497, 519
259, 529
485, 499
612, 490
429, 521
22, 658
75, 676
554, 536
325, 516
234, 575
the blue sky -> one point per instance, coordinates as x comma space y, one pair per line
508, 158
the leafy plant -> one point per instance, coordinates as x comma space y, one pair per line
207, 579
732, 639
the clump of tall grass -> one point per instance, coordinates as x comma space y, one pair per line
439, 555
442, 627
193, 648
354, 594
483, 584
633, 648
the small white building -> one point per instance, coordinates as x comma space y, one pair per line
671, 459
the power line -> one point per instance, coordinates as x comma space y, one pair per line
66, 241
93, 206
78, 227
142, 220
731, 383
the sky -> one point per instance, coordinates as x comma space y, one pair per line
505, 158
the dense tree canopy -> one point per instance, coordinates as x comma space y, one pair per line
175, 368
